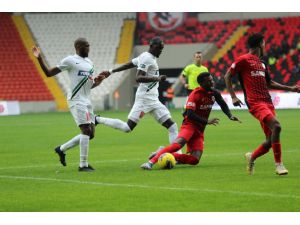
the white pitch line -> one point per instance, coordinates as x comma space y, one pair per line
126, 160
258, 194
58, 164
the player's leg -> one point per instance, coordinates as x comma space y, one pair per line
175, 146
114, 123
258, 152
84, 118
172, 128
86, 134
195, 147
134, 116
163, 116
61, 150
265, 113
184, 136
275, 127
192, 158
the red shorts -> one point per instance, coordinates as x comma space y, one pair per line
264, 112
193, 136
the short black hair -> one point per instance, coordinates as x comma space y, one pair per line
255, 40
79, 41
202, 76
156, 40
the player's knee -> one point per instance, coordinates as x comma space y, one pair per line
196, 157
92, 135
194, 161
277, 127
267, 145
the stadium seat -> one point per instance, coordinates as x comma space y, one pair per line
19, 79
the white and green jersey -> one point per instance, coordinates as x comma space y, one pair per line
147, 63
80, 72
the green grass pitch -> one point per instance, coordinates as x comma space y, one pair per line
32, 179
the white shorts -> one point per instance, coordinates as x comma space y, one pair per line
82, 114
159, 111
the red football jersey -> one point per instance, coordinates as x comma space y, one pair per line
201, 102
254, 77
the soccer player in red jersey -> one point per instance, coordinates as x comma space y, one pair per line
198, 108
255, 80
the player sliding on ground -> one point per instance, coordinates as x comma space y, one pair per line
80, 69
255, 81
146, 98
198, 108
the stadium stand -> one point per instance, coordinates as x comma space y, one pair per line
55, 33
281, 34
111, 38
19, 79
282, 37
191, 31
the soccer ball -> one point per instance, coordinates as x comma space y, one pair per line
166, 161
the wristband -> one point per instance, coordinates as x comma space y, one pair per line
110, 71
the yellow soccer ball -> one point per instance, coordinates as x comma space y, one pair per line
166, 161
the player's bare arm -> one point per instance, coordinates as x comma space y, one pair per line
235, 100
98, 80
274, 85
224, 107
48, 71
183, 80
142, 78
125, 66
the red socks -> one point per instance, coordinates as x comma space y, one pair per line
277, 152
171, 148
186, 159
259, 152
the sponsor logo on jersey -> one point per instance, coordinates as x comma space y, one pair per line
191, 104
165, 21
205, 106
84, 73
257, 73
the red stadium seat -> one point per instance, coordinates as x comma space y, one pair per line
19, 78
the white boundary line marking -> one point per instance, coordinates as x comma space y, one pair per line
59, 165
257, 194
126, 160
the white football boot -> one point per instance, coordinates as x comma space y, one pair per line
250, 163
280, 169
147, 166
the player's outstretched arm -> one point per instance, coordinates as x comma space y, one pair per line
142, 78
224, 106
235, 100
48, 71
125, 66
278, 86
98, 80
